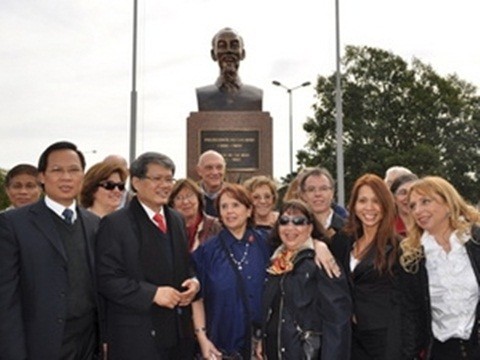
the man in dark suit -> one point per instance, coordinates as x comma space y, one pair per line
143, 269
228, 93
48, 307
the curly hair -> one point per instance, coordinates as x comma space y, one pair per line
462, 216
261, 180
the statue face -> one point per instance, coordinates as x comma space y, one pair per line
228, 51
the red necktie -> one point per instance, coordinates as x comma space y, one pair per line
160, 222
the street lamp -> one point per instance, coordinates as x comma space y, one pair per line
290, 115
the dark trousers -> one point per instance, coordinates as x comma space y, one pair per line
182, 351
455, 349
80, 340
369, 344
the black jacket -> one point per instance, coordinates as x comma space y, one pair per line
376, 297
131, 316
34, 281
417, 336
306, 298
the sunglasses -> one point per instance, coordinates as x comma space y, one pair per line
296, 221
110, 185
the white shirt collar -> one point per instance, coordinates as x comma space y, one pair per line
328, 221
58, 208
456, 240
150, 212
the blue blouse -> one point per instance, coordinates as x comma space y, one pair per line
226, 316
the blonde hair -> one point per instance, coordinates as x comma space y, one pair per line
462, 216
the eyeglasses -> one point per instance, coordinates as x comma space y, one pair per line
313, 189
266, 197
296, 221
160, 179
182, 198
110, 185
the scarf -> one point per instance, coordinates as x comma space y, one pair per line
283, 259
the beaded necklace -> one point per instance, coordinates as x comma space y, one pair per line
243, 260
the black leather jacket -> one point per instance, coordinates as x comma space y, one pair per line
306, 299
417, 335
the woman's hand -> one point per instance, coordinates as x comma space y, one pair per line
209, 351
258, 351
325, 259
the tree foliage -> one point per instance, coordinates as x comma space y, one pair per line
4, 202
397, 114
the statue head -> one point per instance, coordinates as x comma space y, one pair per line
228, 51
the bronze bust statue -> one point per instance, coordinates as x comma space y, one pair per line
228, 93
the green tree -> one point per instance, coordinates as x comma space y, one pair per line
4, 202
397, 114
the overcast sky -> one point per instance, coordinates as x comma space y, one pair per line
66, 66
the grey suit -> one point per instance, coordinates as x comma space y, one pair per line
34, 281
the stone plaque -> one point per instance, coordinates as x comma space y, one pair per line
244, 138
239, 148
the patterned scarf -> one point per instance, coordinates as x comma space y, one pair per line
282, 260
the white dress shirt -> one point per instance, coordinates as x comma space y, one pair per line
454, 290
58, 208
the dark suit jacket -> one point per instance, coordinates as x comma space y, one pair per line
376, 297
34, 281
121, 282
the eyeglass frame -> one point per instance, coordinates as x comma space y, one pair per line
160, 180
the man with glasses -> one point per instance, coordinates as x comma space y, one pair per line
143, 269
48, 301
317, 189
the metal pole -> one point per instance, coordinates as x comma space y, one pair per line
339, 114
290, 119
133, 93
290, 114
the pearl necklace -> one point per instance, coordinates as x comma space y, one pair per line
243, 260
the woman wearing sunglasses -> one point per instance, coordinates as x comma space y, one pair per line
103, 187
306, 313
367, 247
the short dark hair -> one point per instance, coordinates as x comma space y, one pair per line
239, 193
20, 169
61, 145
318, 231
139, 166
316, 171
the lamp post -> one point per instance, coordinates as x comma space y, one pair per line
290, 114
339, 112
133, 92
